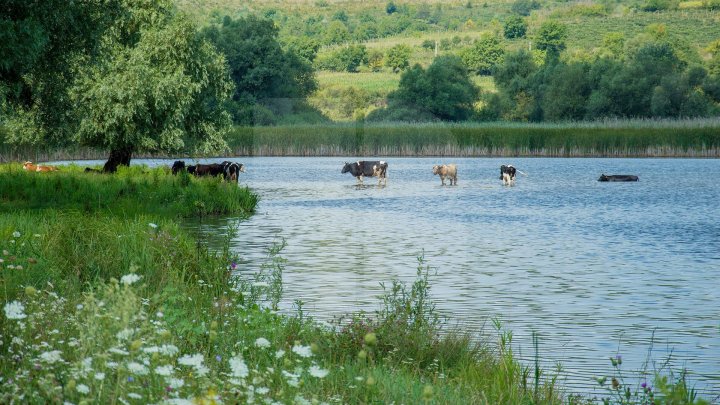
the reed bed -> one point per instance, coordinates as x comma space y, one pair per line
695, 138
641, 138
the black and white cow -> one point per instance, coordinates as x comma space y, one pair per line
232, 170
618, 177
370, 168
507, 174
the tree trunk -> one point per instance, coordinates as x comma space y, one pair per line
118, 156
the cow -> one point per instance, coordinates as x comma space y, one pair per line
178, 166
507, 174
232, 170
618, 177
374, 168
29, 166
446, 171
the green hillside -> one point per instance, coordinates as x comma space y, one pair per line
433, 27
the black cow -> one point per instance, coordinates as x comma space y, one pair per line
618, 177
213, 169
507, 174
371, 168
178, 166
232, 170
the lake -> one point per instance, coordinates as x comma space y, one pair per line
595, 269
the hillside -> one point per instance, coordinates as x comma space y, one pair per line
434, 27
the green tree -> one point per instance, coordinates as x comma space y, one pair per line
442, 92
551, 37
336, 33
41, 46
398, 57
346, 59
482, 57
524, 7
262, 71
514, 27
163, 94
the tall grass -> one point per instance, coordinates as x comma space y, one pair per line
641, 138
131, 191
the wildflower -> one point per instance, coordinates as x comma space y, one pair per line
195, 361
302, 351
15, 310
318, 372
99, 376
16, 234
18, 267
130, 379
233, 265
644, 384
262, 343
164, 370
124, 334
130, 278
79, 307
238, 367
262, 390
279, 354
116, 350
218, 357
134, 395
159, 314
137, 368
175, 383
82, 388
153, 226
51, 356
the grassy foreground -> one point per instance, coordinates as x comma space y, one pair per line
104, 305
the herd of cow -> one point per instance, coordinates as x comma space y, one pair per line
230, 171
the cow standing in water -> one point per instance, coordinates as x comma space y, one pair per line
446, 171
370, 168
507, 175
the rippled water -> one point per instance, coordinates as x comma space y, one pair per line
596, 269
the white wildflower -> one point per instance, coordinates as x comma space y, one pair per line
16, 234
125, 334
159, 314
179, 401
37, 235
51, 356
175, 383
262, 390
99, 376
238, 367
168, 350
164, 370
137, 368
262, 343
134, 395
15, 310
82, 388
79, 307
130, 278
153, 226
116, 350
194, 360
111, 364
279, 353
302, 351
299, 400
318, 372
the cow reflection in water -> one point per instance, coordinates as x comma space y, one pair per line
369, 168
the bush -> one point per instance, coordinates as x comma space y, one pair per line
515, 27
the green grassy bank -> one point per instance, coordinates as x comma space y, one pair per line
696, 138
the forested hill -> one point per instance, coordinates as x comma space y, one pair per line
361, 50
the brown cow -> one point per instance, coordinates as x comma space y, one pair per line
29, 166
449, 171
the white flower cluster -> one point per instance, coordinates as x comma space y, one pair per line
15, 310
195, 361
130, 278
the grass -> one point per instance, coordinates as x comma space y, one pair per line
651, 138
160, 193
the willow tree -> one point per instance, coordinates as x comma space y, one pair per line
159, 90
